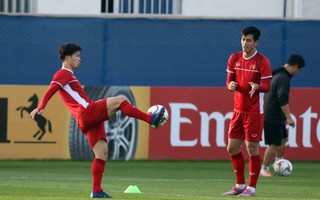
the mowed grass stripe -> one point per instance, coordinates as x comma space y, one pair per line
114, 191
165, 180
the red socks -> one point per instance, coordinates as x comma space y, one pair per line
238, 164
97, 169
131, 111
254, 170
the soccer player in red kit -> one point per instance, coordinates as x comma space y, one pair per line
89, 115
249, 76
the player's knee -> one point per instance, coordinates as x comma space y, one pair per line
102, 154
104, 151
273, 147
120, 99
232, 150
105, 154
253, 149
101, 150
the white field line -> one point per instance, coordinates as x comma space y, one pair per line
284, 179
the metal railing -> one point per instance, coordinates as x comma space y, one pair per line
144, 7
17, 6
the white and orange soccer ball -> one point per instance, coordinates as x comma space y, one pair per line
282, 167
156, 108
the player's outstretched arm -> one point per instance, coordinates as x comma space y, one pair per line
53, 88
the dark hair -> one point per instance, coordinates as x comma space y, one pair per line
251, 30
68, 49
296, 59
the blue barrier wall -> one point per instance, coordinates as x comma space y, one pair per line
147, 52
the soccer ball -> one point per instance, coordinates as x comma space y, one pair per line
156, 108
282, 167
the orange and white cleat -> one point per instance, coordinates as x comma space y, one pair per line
265, 173
247, 193
234, 191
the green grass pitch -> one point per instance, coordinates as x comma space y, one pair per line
157, 180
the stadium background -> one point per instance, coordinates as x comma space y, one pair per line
148, 52
154, 54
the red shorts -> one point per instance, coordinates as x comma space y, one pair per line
246, 126
91, 121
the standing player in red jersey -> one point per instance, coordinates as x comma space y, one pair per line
249, 76
89, 115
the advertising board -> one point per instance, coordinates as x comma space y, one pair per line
199, 119
196, 130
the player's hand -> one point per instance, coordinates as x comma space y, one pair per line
291, 122
254, 88
232, 85
35, 112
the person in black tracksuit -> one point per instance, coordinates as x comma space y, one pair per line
277, 111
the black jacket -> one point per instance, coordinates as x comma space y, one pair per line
278, 96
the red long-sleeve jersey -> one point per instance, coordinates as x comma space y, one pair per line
69, 89
243, 70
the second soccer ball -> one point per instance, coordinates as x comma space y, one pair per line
282, 167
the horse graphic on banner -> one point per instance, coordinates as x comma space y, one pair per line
39, 119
